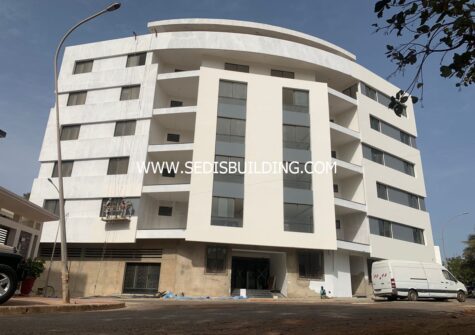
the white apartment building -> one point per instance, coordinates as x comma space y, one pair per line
205, 90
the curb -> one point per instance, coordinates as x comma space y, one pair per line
36, 309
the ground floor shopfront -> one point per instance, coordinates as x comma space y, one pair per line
200, 269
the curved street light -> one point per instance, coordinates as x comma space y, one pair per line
62, 221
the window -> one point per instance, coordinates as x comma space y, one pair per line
296, 137
395, 230
227, 212
229, 177
77, 98
294, 178
70, 132
400, 197
66, 169
295, 100
236, 67
368, 91
130, 92
374, 123
136, 59
168, 173
382, 191
392, 131
84, 66
176, 103
216, 257
119, 206
165, 211
118, 165
333, 153
232, 98
335, 188
282, 74
338, 224
52, 206
125, 128
351, 91
230, 130
310, 264
448, 276
298, 218
173, 138
388, 160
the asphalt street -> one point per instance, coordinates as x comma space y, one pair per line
147, 316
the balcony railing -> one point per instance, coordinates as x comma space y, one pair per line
298, 226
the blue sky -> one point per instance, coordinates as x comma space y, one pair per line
30, 31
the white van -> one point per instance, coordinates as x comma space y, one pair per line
393, 279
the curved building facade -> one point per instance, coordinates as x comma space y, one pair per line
198, 91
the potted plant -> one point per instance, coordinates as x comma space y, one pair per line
33, 268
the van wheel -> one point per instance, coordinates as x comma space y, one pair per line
7, 283
461, 296
412, 295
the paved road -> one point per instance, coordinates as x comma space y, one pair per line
241, 317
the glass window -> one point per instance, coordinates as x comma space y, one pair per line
382, 191
176, 103
66, 169
374, 123
448, 276
119, 207
282, 74
173, 137
216, 257
70, 132
230, 130
229, 177
295, 100
418, 235
368, 91
232, 97
383, 99
125, 128
236, 67
380, 227
77, 98
310, 264
165, 211
83, 66
390, 131
227, 212
52, 206
298, 218
296, 137
136, 59
404, 233
422, 204
130, 92
300, 180
118, 165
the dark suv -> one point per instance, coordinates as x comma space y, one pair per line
11, 272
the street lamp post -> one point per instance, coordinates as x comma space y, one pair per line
62, 221
443, 231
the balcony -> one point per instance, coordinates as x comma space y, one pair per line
341, 135
174, 110
168, 192
340, 102
353, 246
176, 89
344, 206
346, 169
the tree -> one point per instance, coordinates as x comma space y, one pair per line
433, 27
463, 267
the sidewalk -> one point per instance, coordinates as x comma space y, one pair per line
28, 305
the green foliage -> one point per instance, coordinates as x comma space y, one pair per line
432, 27
34, 267
463, 267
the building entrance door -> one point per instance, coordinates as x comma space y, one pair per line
250, 273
